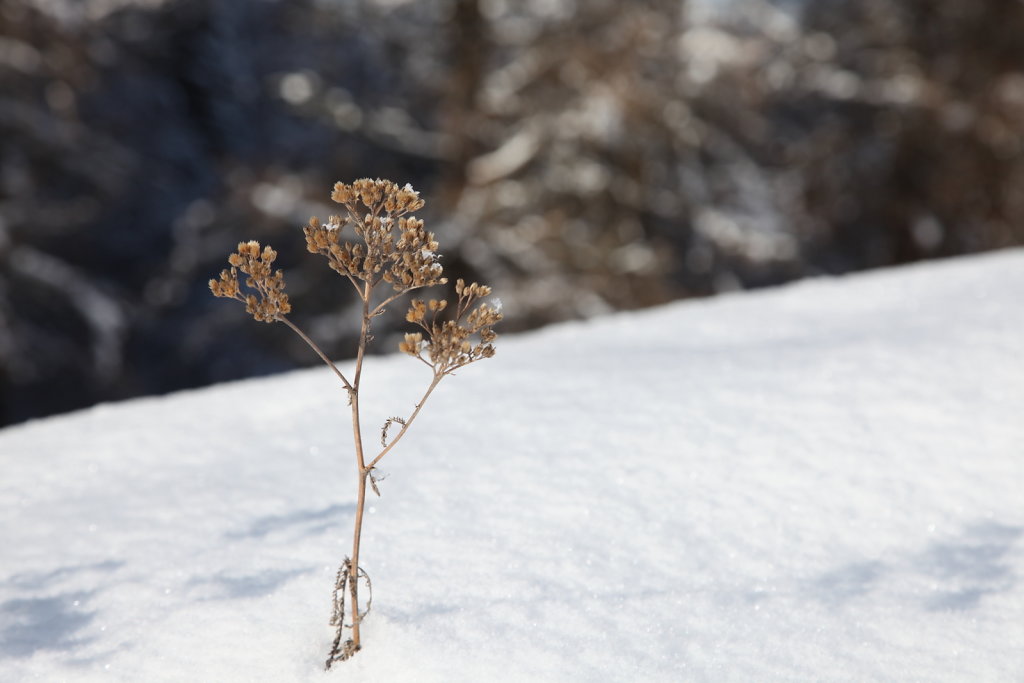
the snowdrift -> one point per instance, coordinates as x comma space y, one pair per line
819, 482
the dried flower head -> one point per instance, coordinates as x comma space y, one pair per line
392, 247
267, 301
452, 344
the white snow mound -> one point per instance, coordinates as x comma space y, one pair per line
819, 482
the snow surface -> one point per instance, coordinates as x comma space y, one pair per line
819, 482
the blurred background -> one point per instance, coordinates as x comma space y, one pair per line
582, 156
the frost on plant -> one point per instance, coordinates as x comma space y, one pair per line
388, 250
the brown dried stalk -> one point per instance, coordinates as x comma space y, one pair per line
391, 248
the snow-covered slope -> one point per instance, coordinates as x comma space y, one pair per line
820, 482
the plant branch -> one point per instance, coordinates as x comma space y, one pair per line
319, 352
408, 423
354, 283
380, 307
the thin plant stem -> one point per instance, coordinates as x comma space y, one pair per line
364, 331
316, 348
354, 567
380, 307
353, 389
364, 337
408, 423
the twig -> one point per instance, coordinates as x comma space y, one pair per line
316, 348
408, 423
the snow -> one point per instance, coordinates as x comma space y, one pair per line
818, 482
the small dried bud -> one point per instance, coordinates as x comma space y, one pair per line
413, 344
343, 194
417, 311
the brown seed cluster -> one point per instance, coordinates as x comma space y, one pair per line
449, 344
268, 301
392, 247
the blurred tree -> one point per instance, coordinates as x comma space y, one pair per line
581, 156
918, 151
139, 143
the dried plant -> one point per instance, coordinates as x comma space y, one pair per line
393, 251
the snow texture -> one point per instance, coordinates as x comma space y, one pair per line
819, 482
